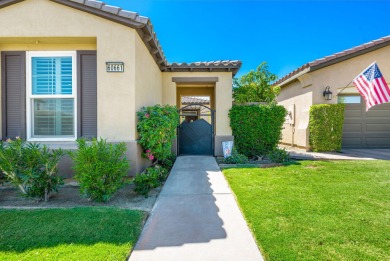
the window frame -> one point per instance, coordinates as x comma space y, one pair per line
30, 97
350, 95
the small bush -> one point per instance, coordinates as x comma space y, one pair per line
279, 155
257, 129
236, 158
157, 128
162, 173
144, 183
326, 127
31, 167
152, 178
168, 162
101, 168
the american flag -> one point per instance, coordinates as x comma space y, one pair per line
372, 86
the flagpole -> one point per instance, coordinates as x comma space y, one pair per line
344, 88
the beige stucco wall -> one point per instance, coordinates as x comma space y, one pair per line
307, 89
147, 92
223, 97
42, 25
148, 77
339, 75
46, 26
293, 95
57, 27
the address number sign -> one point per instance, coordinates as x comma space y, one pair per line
115, 66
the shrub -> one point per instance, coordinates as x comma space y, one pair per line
256, 86
326, 127
168, 162
236, 158
152, 178
279, 155
101, 168
31, 167
162, 173
157, 128
257, 129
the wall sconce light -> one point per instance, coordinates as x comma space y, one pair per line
327, 93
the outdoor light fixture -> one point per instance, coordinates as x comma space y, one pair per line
327, 93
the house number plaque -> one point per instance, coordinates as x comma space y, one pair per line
115, 66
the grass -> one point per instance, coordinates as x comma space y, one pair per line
317, 210
69, 234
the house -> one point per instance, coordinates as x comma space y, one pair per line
81, 68
305, 87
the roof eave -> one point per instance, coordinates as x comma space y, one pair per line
345, 55
143, 28
6, 3
349, 56
204, 68
294, 77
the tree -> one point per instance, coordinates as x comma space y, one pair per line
256, 86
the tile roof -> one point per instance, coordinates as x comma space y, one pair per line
336, 58
141, 24
217, 66
195, 100
144, 28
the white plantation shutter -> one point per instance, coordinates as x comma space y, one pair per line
53, 117
52, 95
51, 75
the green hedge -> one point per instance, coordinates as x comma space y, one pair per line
256, 129
326, 127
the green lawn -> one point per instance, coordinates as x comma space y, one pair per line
317, 210
69, 234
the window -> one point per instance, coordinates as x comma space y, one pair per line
51, 96
349, 99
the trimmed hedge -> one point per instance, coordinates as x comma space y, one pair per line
257, 129
326, 127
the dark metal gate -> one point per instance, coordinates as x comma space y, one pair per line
196, 130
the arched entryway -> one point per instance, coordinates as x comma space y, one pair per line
196, 130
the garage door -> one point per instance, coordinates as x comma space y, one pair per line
365, 129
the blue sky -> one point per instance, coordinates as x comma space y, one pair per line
286, 34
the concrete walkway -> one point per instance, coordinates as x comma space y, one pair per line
196, 217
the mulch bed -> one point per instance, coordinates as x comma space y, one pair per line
69, 196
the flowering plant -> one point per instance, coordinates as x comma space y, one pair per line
157, 128
149, 155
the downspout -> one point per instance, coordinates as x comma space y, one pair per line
291, 113
292, 135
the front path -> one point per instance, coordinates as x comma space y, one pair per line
196, 217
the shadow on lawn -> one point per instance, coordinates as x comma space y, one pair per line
291, 163
23, 230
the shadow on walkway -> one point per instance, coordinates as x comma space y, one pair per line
196, 217
185, 211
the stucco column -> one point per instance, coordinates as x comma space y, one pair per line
223, 102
